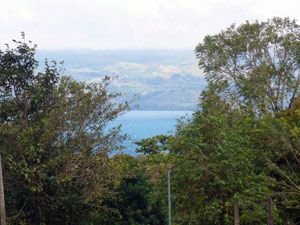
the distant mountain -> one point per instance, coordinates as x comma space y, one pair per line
163, 79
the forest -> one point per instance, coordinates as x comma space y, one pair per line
242, 144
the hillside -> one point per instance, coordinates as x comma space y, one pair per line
163, 79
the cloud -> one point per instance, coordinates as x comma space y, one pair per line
125, 24
84, 70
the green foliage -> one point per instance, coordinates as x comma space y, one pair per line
242, 145
259, 62
243, 142
53, 139
153, 145
136, 201
25, 95
216, 166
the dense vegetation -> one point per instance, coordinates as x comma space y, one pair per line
55, 149
241, 145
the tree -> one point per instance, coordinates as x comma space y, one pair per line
54, 142
257, 62
16, 68
137, 200
242, 144
154, 145
278, 139
215, 165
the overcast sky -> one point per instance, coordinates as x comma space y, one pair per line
127, 24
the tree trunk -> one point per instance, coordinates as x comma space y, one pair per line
2, 201
169, 196
270, 216
236, 214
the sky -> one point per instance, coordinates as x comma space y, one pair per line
130, 24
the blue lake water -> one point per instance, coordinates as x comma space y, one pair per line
144, 124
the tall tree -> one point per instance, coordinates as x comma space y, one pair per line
257, 62
214, 166
54, 140
242, 144
16, 70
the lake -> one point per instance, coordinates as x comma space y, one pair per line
144, 124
